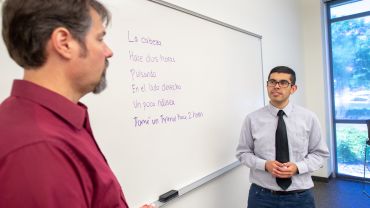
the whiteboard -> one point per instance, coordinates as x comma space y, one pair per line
179, 87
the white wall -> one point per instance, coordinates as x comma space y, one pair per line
316, 96
292, 36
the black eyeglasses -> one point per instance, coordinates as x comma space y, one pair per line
282, 83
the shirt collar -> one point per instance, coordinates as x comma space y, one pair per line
287, 109
74, 114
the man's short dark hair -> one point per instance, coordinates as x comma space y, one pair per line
286, 70
28, 24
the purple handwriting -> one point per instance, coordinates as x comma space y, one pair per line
153, 87
167, 59
144, 40
166, 119
152, 104
135, 57
138, 74
164, 87
149, 58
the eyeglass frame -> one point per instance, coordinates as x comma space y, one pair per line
279, 82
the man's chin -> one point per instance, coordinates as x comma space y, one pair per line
100, 87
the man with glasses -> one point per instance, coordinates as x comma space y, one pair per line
282, 145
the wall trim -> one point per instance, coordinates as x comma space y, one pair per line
322, 179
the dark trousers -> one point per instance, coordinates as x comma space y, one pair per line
263, 198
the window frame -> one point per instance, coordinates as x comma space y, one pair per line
329, 21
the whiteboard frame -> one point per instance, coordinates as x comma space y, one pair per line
209, 19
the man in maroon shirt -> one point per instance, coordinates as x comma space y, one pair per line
48, 154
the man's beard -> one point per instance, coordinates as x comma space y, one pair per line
103, 80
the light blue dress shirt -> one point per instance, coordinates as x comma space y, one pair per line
307, 148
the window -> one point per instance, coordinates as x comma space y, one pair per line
349, 41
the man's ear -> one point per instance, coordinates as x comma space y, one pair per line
293, 89
63, 42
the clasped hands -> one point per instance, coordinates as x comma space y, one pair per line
281, 170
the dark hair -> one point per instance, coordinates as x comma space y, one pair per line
28, 24
286, 70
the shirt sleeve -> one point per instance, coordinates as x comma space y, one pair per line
40, 176
245, 148
317, 149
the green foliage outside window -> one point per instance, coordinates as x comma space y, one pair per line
351, 53
351, 145
351, 68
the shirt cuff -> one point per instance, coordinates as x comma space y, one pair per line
302, 167
260, 164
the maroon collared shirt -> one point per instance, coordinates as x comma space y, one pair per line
48, 155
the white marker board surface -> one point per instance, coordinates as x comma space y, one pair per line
178, 90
